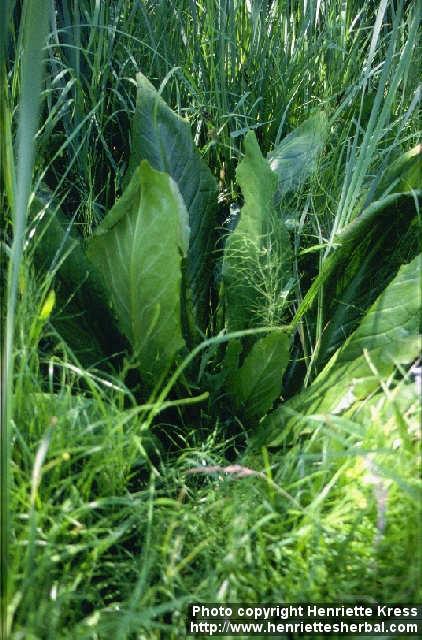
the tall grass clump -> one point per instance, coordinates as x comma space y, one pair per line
34, 31
218, 404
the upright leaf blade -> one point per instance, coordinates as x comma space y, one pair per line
387, 335
81, 315
295, 157
139, 249
258, 252
368, 253
368, 263
257, 384
404, 174
165, 140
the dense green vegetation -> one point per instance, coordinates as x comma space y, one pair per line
211, 277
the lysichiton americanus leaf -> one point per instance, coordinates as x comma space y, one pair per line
257, 252
257, 383
388, 335
81, 315
164, 139
367, 255
404, 174
138, 249
296, 156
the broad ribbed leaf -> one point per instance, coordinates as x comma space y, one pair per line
138, 249
165, 140
404, 174
257, 256
369, 262
367, 255
81, 314
368, 252
295, 158
257, 384
388, 335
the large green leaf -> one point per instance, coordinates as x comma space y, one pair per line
81, 314
387, 336
368, 264
257, 256
404, 174
165, 140
368, 252
257, 383
138, 249
366, 257
295, 158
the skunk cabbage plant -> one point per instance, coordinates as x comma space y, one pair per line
141, 283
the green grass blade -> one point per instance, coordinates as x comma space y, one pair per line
34, 24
